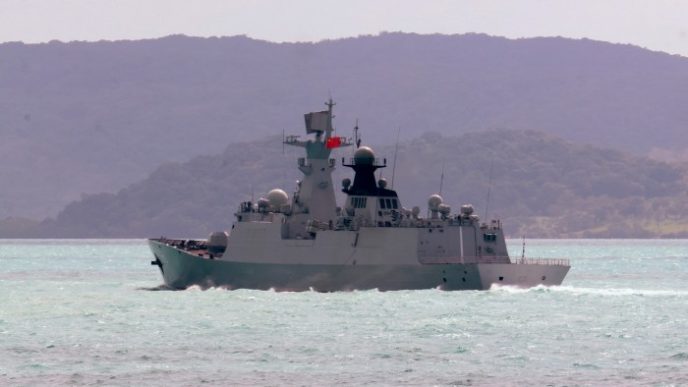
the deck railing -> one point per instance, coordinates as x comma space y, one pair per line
496, 259
542, 261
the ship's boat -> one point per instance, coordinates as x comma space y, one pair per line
371, 242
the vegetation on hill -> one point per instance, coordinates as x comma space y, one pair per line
540, 185
95, 117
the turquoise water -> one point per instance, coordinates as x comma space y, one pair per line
79, 312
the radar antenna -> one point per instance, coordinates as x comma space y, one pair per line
330, 103
357, 140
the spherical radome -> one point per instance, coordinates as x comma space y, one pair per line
364, 155
277, 198
434, 202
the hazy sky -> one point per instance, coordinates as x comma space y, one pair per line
658, 24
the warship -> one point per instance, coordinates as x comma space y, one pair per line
307, 242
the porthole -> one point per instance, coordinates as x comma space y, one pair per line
501, 278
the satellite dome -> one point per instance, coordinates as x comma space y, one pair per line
467, 209
434, 202
364, 155
277, 198
217, 242
382, 183
444, 209
263, 204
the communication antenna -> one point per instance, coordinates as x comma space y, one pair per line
442, 178
489, 189
394, 163
523, 250
357, 140
330, 104
284, 169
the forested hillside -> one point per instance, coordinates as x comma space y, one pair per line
540, 185
94, 117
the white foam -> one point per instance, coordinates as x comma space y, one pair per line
591, 291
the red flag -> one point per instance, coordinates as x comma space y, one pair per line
333, 142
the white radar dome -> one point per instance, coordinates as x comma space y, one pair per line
434, 202
263, 204
277, 198
444, 209
364, 155
467, 209
217, 242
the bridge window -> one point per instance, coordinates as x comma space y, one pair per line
388, 204
489, 237
358, 202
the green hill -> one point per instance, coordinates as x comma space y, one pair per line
540, 185
95, 117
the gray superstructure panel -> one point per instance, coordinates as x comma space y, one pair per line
260, 242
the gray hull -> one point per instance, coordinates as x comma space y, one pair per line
181, 270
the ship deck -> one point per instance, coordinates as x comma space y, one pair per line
190, 246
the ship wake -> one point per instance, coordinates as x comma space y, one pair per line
574, 290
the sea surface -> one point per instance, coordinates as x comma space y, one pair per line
85, 312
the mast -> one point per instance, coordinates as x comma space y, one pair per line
394, 163
315, 194
357, 140
442, 178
